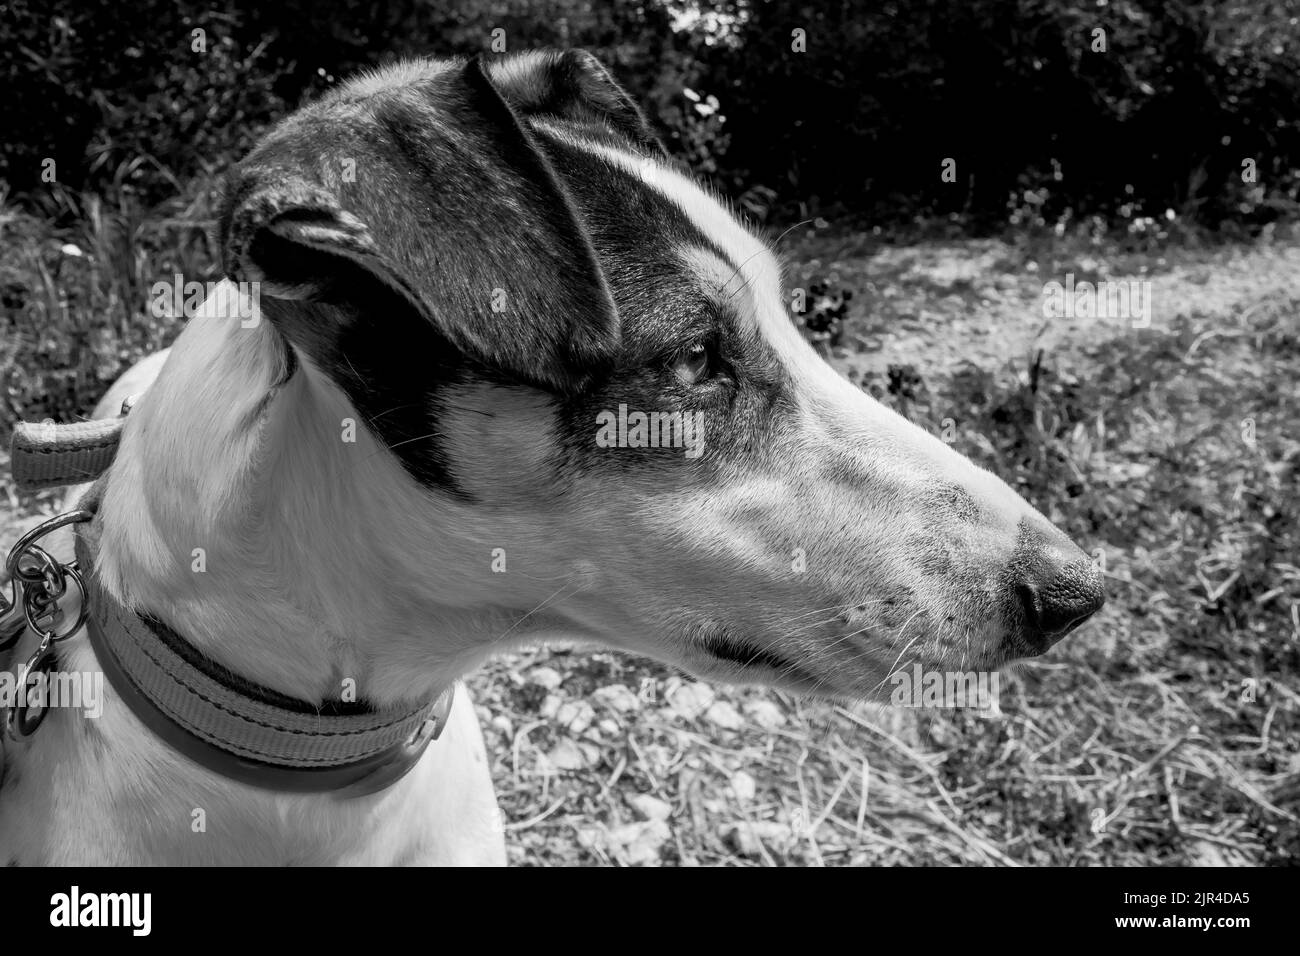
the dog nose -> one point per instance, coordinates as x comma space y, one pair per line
1058, 588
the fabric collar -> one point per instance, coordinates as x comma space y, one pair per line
213, 716
240, 729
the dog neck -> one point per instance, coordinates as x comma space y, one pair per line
250, 511
234, 513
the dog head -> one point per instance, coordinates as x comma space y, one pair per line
590, 411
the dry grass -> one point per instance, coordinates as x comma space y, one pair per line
1164, 732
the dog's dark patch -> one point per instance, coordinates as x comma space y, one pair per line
453, 251
745, 654
663, 306
574, 87
622, 212
394, 388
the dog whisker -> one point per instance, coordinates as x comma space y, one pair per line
395, 408
407, 441
893, 668
760, 252
838, 608
813, 625
544, 603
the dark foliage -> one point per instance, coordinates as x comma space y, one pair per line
1042, 127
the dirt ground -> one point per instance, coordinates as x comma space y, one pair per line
601, 758
940, 305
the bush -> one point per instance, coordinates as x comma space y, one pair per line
1043, 126
1013, 91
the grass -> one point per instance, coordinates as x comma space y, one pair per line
1167, 731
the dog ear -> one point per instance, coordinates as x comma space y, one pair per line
454, 237
573, 86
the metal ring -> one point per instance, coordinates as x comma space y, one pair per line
23, 720
39, 575
82, 612
55, 585
42, 529
40, 612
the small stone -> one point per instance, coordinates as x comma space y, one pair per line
567, 755
690, 700
749, 838
743, 786
617, 697
639, 843
722, 714
575, 716
765, 714
652, 808
546, 677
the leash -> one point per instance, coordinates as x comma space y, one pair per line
216, 718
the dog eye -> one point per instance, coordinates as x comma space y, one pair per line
694, 364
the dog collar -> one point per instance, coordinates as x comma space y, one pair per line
218, 719
46, 455
240, 729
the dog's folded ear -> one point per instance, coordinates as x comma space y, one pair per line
420, 217
574, 86
280, 229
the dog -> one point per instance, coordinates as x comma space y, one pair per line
471, 279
